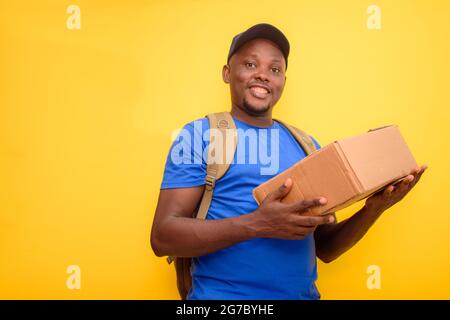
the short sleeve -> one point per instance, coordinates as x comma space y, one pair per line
185, 164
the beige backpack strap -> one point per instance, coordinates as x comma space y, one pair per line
222, 146
302, 137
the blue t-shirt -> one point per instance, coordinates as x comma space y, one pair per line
260, 268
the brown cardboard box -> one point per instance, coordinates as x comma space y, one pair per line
346, 171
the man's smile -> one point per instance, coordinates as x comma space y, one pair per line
259, 91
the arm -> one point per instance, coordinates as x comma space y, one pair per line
334, 240
176, 233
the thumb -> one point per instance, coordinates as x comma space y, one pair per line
282, 191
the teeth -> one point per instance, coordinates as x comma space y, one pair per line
260, 90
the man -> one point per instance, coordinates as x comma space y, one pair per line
242, 251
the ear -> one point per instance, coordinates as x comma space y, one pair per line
226, 73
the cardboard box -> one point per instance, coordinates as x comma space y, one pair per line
346, 171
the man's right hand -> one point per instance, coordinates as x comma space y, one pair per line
274, 219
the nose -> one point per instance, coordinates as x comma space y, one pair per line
261, 75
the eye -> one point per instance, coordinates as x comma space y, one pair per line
250, 64
276, 70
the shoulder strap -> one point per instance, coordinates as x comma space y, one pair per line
302, 137
222, 146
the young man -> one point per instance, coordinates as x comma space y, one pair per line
242, 251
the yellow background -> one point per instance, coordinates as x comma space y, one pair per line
86, 118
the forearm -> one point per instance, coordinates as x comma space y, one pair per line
333, 240
194, 237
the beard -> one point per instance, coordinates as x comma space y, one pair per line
254, 110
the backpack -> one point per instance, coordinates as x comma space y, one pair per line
222, 121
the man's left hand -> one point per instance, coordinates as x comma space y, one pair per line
393, 193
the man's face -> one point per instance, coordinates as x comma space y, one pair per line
256, 74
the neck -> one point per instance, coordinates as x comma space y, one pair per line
262, 121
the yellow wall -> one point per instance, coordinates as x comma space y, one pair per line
86, 118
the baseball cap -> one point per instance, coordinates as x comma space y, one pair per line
262, 30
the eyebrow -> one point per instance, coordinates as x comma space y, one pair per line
273, 60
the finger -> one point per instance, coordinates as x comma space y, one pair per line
314, 221
305, 229
388, 191
422, 170
418, 170
408, 182
309, 203
332, 218
298, 236
418, 175
417, 178
282, 191
404, 184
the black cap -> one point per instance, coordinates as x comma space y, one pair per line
262, 30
